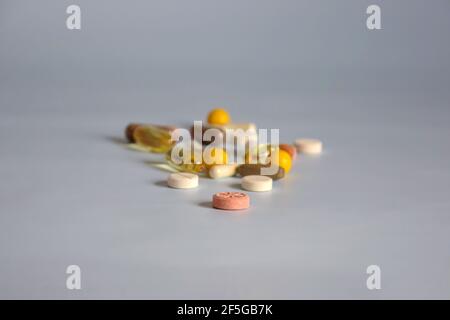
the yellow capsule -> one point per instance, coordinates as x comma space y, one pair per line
153, 138
215, 156
176, 161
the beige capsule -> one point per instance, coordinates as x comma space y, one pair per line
222, 171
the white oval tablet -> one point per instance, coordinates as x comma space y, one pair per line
308, 146
182, 180
256, 183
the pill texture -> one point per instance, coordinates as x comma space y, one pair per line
255, 169
308, 146
289, 149
222, 171
256, 183
231, 200
182, 180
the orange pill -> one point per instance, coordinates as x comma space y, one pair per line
231, 201
289, 149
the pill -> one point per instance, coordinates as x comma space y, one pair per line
132, 127
182, 180
129, 130
219, 116
308, 146
289, 149
231, 201
255, 169
222, 171
256, 183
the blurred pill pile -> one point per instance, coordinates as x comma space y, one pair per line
159, 139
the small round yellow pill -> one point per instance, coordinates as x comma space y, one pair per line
284, 160
218, 116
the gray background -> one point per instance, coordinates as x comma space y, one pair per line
71, 193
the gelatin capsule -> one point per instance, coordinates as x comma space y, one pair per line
153, 138
129, 130
176, 161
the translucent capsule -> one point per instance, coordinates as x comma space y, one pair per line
153, 138
177, 161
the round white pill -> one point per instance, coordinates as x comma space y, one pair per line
256, 183
182, 180
308, 146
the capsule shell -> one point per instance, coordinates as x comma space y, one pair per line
222, 171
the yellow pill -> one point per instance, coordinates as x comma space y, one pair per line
218, 116
214, 156
284, 160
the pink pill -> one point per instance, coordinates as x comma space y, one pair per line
231, 201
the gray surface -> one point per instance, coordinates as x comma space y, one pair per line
70, 193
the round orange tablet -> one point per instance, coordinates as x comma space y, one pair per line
231, 200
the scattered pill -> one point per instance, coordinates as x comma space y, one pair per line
256, 183
129, 130
153, 138
218, 116
214, 162
182, 180
289, 149
215, 156
308, 146
284, 160
222, 171
255, 169
231, 201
